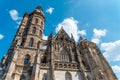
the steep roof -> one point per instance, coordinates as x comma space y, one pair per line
62, 35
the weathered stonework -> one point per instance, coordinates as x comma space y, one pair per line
57, 58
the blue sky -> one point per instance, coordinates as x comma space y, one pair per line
95, 20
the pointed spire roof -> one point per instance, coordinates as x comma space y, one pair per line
38, 7
81, 38
50, 36
72, 38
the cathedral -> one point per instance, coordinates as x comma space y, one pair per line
30, 57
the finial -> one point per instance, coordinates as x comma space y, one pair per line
81, 38
38, 7
51, 34
72, 37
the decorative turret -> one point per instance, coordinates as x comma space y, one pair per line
38, 11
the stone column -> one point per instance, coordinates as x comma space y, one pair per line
52, 61
52, 66
11, 65
35, 70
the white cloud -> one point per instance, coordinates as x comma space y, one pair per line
98, 33
1, 36
111, 50
45, 37
116, 68
50, 10
70, 25
82, 32
14, 15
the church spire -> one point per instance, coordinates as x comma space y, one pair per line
81, 38
72, 38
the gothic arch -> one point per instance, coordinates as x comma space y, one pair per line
16, 41
40, 32
36, 21
38, 45
33, 30
31, 42
68, 76
64, 55
41, 23
27, 59
23, 42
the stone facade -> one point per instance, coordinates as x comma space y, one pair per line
57, 58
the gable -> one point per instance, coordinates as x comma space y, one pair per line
62, 35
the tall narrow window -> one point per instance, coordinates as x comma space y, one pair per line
41, 23
33, 30
36, 21
31, 42
68, 76
64, 57
40, 33
38, 44
23, 42
27, 59
16, 42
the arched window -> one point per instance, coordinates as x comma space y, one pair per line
38, 44
40, 33
16, 41
31, 42
44, 76
27, 59
23, 42
41, 23
33, 30
64, 55
36, 21
68, 76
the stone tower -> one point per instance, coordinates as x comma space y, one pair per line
57, 58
